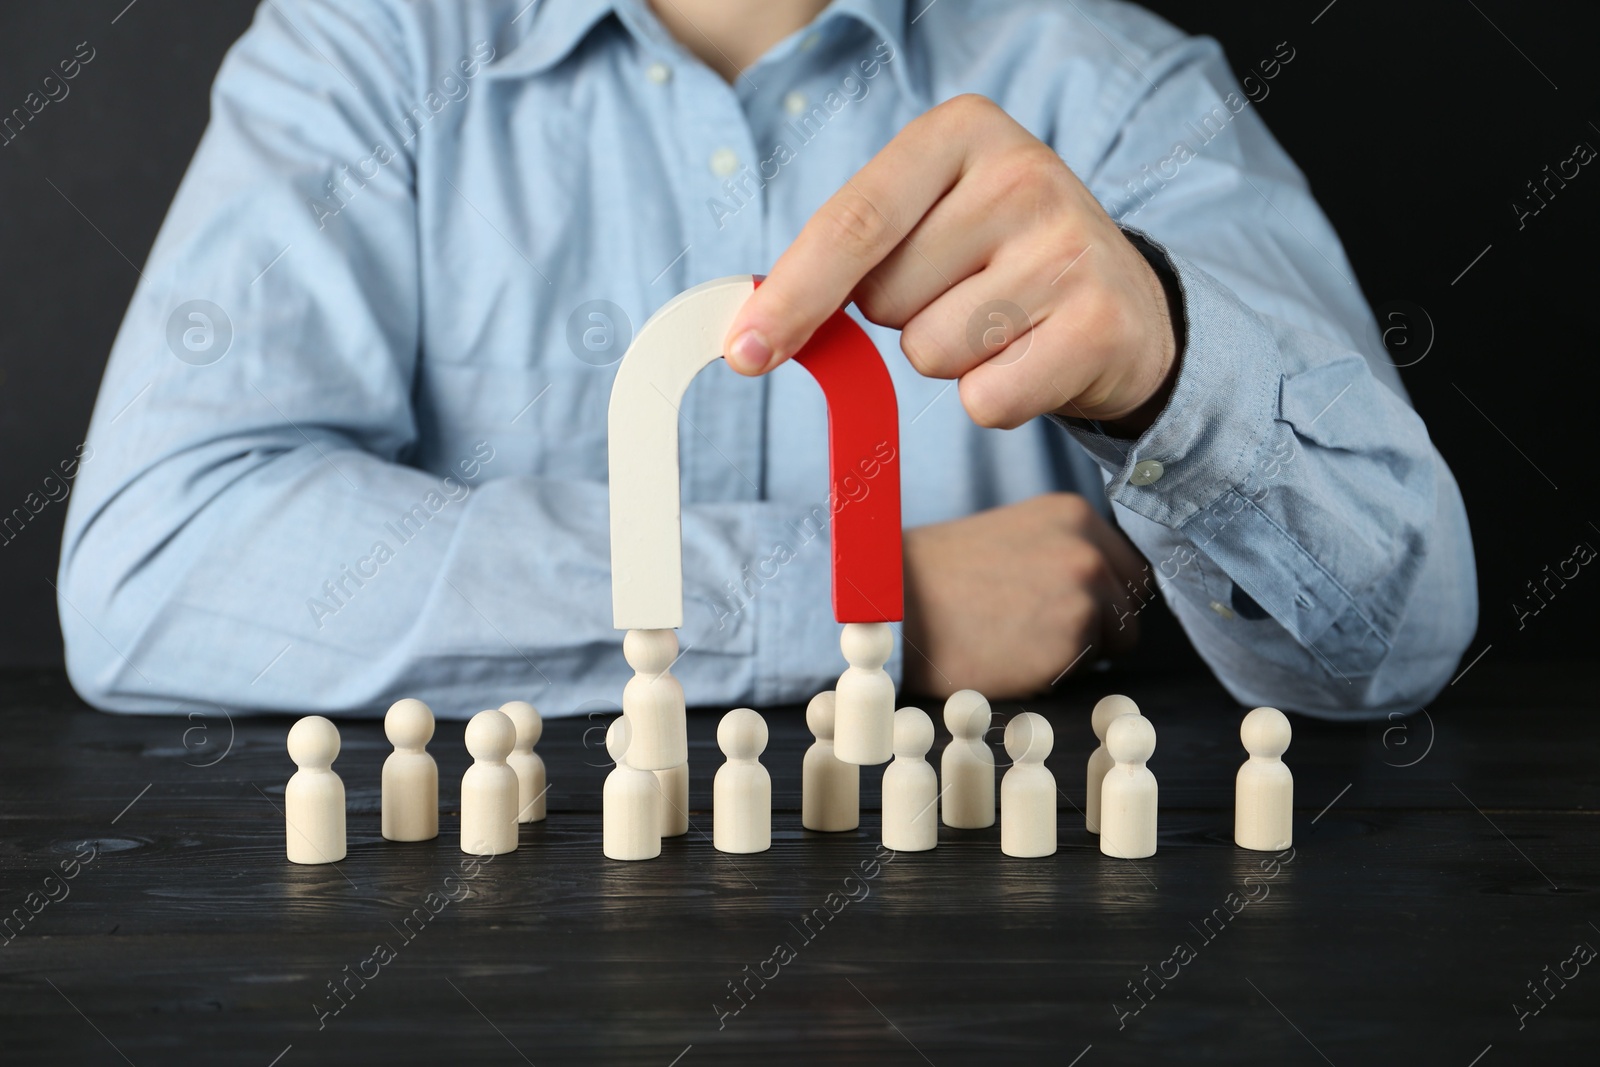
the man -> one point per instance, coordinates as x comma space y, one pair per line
416, 235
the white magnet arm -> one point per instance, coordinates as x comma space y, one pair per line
678, 341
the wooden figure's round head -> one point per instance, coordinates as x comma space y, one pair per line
967, 715
490, 735
1108, 708
913, 732
820, 715
525, 718
866, 644
619, 735
650, 651
1265, 733
314, 743
742, 734
1029, 738
1131, 739
408, 723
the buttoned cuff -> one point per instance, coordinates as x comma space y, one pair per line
1203, 471
1209, 437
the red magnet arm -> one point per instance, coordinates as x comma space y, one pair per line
863, 470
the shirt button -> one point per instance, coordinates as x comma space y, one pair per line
724, 161
795, 103
659, 73
1222, 609
1146, 472
810, 42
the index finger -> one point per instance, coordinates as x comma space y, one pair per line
849, 235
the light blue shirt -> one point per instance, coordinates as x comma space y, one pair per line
371, 460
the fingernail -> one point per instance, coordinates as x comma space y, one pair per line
750, 353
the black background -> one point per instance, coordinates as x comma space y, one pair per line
1418, 124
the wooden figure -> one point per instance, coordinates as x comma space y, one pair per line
1263, 817
653, 702
1128, 795
742, 791
630, 803
313, 801
674, 785
1106, 709
410, 777
489, 788
528, 764
830, 788
1028, 790
967, 766
864, 698
910, 788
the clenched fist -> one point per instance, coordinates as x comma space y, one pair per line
1005, 600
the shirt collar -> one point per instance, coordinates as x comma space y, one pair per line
886, 18
548, 32
544, 34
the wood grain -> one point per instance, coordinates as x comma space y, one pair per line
1412, 914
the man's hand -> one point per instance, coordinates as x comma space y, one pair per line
1005, 600
963, 210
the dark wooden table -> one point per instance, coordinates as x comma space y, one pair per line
1441, 864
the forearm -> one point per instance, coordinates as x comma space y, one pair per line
1296, 517
1293, 510
1261, 662
324, 579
